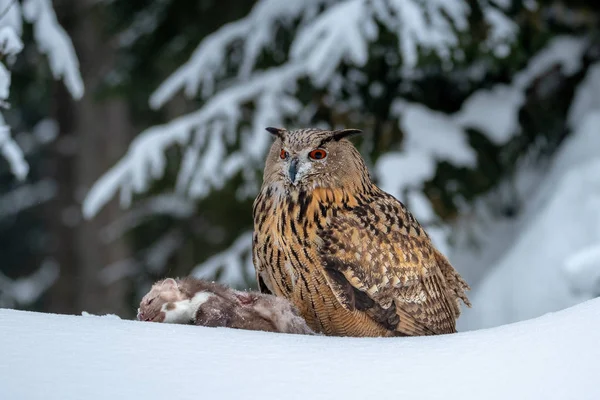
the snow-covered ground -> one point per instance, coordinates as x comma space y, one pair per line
59, 357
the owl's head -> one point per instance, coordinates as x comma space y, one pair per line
311, 158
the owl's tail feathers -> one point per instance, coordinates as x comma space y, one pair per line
455, 282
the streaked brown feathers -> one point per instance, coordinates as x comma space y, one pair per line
351, 257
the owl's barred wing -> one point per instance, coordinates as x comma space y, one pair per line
392, 276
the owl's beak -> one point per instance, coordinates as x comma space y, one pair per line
293, 169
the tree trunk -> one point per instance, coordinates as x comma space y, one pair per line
94, 134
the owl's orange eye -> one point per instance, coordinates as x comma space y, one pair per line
317, 154
284, 154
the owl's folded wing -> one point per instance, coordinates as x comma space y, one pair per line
392, 276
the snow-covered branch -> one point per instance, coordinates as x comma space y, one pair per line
11, 150
433, 27
234, 264
207, 62
26, 196
153, 259
325, 43
169, 204
340, 34
52, 40
431, 136
212, 127
26, 290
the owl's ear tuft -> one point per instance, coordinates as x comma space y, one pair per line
344, 133
279, 132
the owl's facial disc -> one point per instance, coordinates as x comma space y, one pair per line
298, 165
307, 159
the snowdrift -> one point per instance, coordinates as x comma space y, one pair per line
555, 263
44, 356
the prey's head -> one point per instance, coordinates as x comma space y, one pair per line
312, 158
162, 292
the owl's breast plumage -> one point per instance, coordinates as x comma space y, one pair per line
284, 250
287, 255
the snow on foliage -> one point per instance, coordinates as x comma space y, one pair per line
431, 136
11, 150
587, 97
340, 33
232, 265
328, 33
553, 263
51, 40
26, 196
24, 291
409, 20
212, 127
205, 66
553, 357
582, 270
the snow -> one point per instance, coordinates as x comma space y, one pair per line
144, 23
46, 131
26, 196
213, 123
342, 32
493, 111
564, 51
547, 259
431, 136
416, 164
325, 44
4, 84
12, 152
63, 357
235, 263
433, 27
502, 31
118, 270
10, 45
587, 97
543, 270
583, 270
170, 204
10, 42
153, 259
52, 40
131, 172
206, 63
329, 33
435, 134
26, 290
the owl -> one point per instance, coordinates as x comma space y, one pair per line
349, 256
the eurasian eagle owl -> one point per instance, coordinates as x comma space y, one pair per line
350, 257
